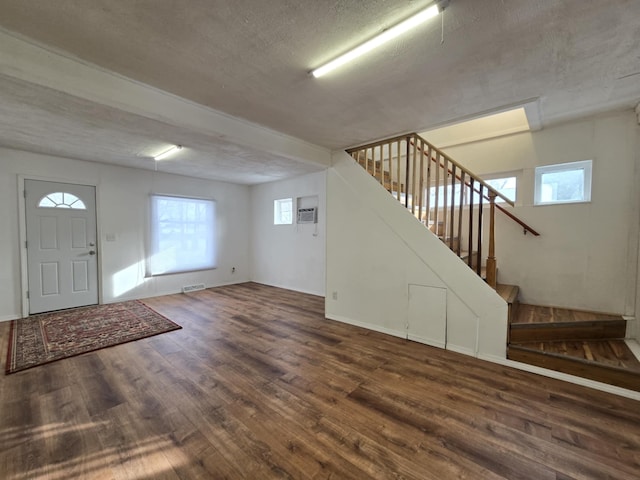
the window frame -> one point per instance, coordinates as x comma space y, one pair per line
277, 211
152, 243
586, 165
76, 202
503, 176
485, 203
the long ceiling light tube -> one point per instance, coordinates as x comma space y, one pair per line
389, 34
173, 150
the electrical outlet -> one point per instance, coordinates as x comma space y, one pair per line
335, 295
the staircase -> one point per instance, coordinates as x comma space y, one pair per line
586, 344
444, 195
449, 200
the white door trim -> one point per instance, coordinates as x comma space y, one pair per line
22, 233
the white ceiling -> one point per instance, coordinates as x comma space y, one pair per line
247, 61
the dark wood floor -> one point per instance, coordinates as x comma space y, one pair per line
259, 385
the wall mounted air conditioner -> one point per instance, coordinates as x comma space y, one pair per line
308, 215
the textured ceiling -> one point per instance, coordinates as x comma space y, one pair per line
250, 59
47, 121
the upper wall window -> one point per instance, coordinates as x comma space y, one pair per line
563, 183
505, 185
441, 191
61, 200
182, 236
283, 211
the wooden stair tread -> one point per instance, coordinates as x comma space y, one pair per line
570, 324
508, 292
540, 314
614, 352
581, 343
567, 331
607, 361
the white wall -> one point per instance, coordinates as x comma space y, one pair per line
289, 256
376, 249
122, 199
586, 256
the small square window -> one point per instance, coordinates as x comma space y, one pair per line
283, 211
563, 183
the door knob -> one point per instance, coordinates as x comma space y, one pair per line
92, 252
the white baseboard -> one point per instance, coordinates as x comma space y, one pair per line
288, 287
368, 326
585, 382
166, 292
426, 341
8, 318
463, 350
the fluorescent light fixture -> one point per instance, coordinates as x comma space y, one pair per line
168, 153
381, 39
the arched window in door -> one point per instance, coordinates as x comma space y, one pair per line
61, 200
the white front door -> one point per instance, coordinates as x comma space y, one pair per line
61, 245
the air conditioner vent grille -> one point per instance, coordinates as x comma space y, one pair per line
308, 215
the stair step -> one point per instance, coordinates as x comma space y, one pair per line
541, 314
451, 242
560, 331
510, 295
508, 292
607, 361
464, 255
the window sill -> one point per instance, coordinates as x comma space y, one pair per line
546, 204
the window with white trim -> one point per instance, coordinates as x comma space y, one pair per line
283, 211
182, 236
504, 185
563, 183
61, 200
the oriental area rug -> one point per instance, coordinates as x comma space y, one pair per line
45, 338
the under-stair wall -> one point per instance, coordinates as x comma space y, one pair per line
377, 252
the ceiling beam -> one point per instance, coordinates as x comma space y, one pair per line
36, 64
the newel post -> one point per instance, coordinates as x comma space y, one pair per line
492, 273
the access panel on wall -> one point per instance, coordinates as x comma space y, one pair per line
427, 315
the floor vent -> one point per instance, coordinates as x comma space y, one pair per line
193, 288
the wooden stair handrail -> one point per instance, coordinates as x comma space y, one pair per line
465, 170
526, 227
435, 150
378, 143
